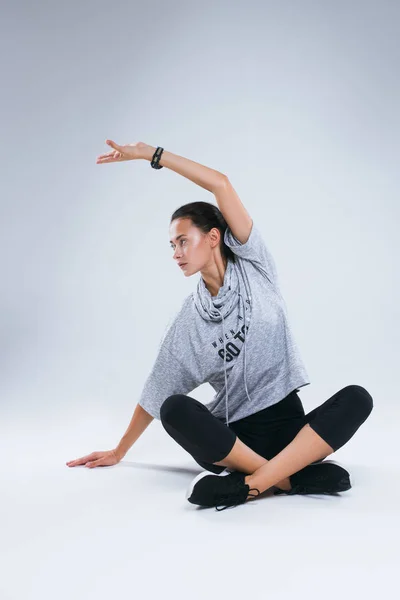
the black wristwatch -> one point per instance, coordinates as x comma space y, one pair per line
156, 158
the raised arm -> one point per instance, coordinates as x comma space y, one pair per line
207, 178
229, 203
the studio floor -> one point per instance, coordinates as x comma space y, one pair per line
120, 531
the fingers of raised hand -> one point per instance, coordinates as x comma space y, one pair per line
113, 156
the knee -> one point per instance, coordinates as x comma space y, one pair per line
361, 398
172, 406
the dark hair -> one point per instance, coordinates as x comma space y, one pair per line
205, 216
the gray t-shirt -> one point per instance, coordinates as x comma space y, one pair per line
200, 346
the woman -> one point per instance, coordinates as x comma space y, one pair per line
233, 333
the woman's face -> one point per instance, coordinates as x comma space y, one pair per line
190, 245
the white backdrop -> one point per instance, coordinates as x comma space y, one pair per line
296, 102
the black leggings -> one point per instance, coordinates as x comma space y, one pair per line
267, 431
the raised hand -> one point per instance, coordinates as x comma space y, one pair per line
120, 153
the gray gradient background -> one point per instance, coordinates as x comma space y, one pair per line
297, 103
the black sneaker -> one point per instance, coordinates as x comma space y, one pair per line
227, 489
318, 478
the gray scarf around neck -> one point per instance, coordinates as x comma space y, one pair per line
219, 307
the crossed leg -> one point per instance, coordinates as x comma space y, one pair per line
305, 448
338, 418
324, 430
244, 459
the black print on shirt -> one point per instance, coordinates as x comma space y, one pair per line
232, 349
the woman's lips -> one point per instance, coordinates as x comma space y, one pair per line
183, 265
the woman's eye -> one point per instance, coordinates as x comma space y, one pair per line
173, 247
181, 241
